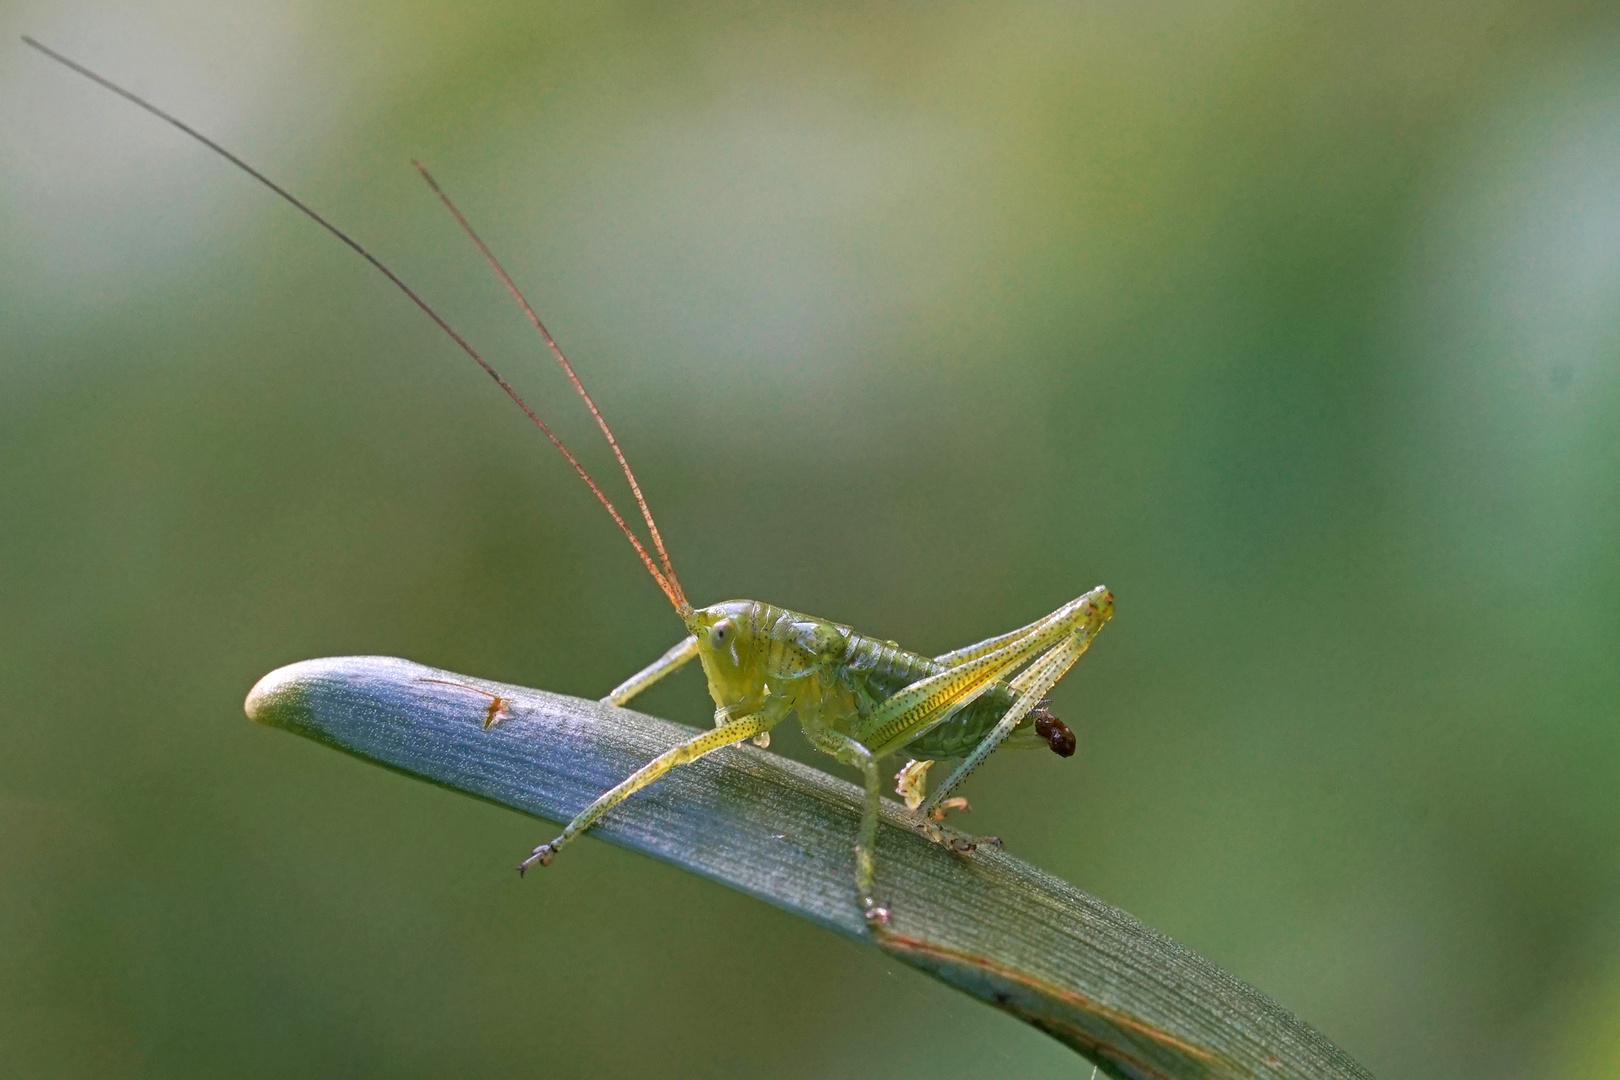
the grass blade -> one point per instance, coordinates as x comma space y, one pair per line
1131, 1000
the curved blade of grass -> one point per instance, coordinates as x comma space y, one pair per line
1131, 1000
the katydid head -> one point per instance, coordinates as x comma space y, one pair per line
732, 654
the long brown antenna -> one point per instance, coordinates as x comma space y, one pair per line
568, 369
671, 588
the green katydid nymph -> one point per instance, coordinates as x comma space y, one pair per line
857, 698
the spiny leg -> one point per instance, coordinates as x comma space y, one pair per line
731, 732
850, 752
989, 644
672, 661
929, 827
1049, 646
1031, 687
911, 784
928, 702
931, 701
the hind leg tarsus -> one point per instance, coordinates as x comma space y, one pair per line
911, 784
928, 826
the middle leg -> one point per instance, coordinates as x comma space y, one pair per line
851, 752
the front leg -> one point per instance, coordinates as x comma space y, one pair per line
733, 731
673, 660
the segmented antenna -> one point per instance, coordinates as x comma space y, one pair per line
568, 369
666, 577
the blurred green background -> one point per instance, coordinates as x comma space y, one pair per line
1297, 325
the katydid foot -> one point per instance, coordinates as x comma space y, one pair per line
541, 855
928, 826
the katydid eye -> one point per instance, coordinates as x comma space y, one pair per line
721, 633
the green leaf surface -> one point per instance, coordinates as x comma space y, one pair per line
1131, 1000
